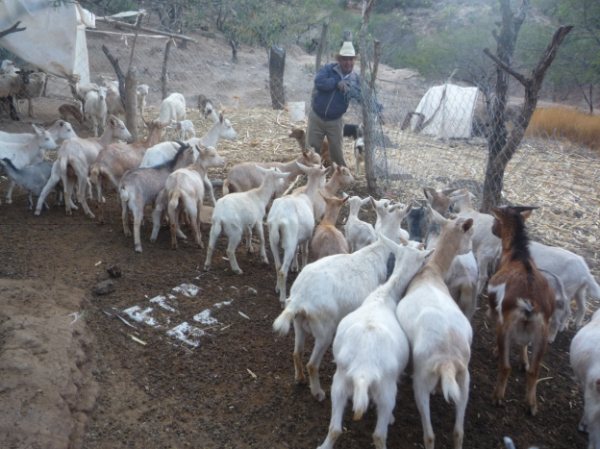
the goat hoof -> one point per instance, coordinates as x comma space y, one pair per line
138, 249
533, 410
238, 271
206, 267
320, 396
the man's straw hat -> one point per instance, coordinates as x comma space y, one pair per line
347, 50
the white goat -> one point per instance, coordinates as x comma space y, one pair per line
172, 108
185, 129
585, 361
141, 186
78, 154
184, 191
358, 233
573, 272
114, 105
389, 219
291, 222
96, 109
28, 152
461, 277
60, 130
371, 351
240, 212
439, 333
323, 293
32, 177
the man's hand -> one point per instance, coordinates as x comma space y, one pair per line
343, 86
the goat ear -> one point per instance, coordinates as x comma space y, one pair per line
525, 211
429, 193
467, 224
37, 129
436, 217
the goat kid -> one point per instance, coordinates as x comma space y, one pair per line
521, 300
358, 233
239, 212
327, 239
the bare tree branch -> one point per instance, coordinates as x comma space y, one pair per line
13, 29
520, 78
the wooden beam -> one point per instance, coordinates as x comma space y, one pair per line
129, 26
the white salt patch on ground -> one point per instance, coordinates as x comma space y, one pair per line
189, 290
141, 316
223, 304
161, 301
190, 335
205, 318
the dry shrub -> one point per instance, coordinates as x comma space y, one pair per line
570, 124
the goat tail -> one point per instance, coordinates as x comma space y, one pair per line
94, 174
173, 202
448, 371
360, 397
123, 194
225, 187
281, 325
593, 287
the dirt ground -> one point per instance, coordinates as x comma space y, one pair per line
81, 370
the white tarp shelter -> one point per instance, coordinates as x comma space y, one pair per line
448, 111
54, 39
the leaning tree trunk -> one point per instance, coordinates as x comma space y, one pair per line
499, 156
276, 69
322, 46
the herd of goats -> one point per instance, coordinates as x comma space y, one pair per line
381, 295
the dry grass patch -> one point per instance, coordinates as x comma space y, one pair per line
566, 123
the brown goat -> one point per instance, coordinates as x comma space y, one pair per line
300, 136
65, 110
521, 300
327, 239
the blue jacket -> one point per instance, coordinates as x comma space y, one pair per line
328, 102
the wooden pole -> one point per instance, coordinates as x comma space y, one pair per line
128, 26
131, 103
164, 75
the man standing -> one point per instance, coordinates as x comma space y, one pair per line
335, 85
